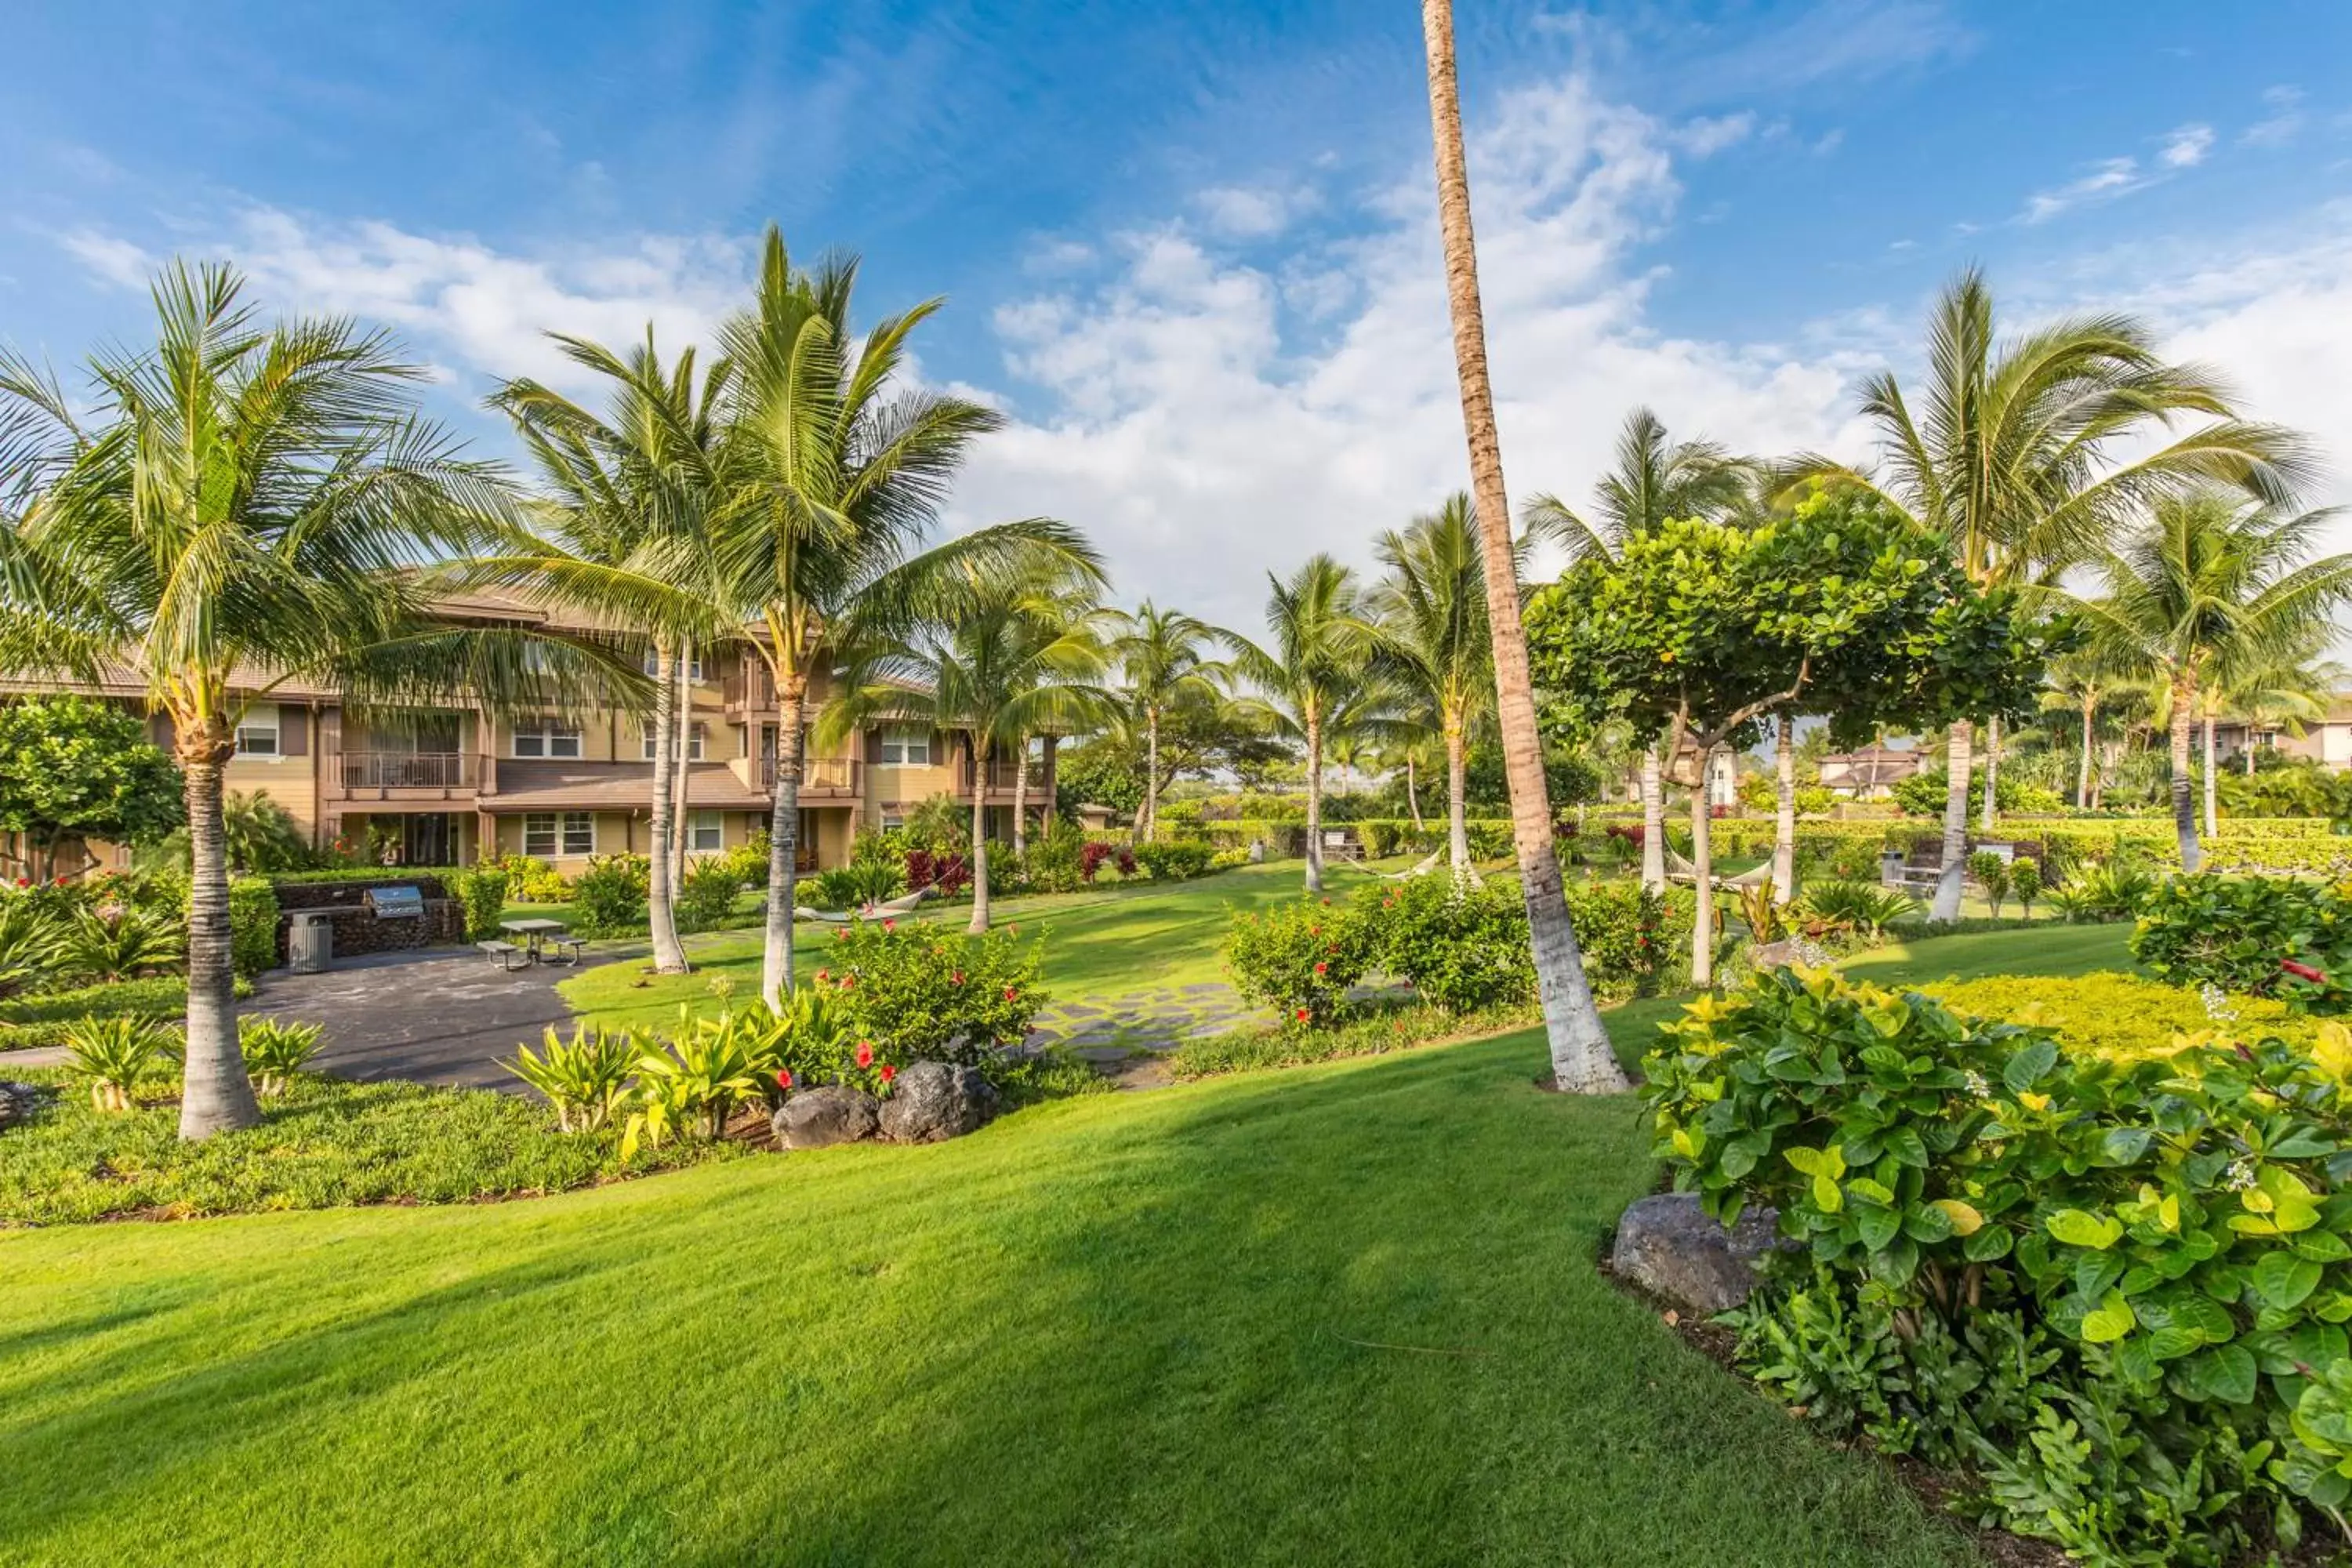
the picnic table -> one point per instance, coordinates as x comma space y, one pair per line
538, 935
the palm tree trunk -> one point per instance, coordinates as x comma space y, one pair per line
1950, 881
1583, 1060
1653, 820
1047, 745
2250, 755
1020, 798
661, 892
2082, 773
784, 845
2212, 801
1784, 815
215, 1096
1992, 774
681, 758
1151, 774
1457, 819
1413, 795
1314, 801
1703, 859
979, 836
2184, 800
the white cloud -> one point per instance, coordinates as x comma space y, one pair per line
1240, 212
2283, 123
2109, 178
2186, 147
1703, 138
114, 261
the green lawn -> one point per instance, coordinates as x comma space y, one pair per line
1103, 943
1343, 1314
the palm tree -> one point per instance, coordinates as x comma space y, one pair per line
1583, 1061
624, 506
1655, 480
1162, 657
2208, 589
994, 664
1319, 664
2012, 459
240, 507
837, 476
1432, 612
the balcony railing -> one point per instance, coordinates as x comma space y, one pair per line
820, 776
448, 772
747, 688
1000, 777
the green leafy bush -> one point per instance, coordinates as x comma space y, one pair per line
706, 894
2025, 882
918, 993
275, 1050
481, 892
1991, 872
252, 925
1635, 941
1855, 908
1052, 864
609, 897
118, 1057
1300, 959
94, 948
2260, 934
2112, 1290
1174, 860
531, 881
585, 1077
1461, 945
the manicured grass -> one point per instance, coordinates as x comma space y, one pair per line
2053, 949
325, 1143
1101, 943
1340, 1314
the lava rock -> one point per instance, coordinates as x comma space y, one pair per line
820, 1117
16, 1102
936, 1100
1794, 953
1674, 1249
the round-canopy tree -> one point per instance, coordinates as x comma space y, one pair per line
75, 769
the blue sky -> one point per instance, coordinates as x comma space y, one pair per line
1188, 247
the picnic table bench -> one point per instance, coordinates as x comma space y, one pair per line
540, 937
505, 952
1341, 843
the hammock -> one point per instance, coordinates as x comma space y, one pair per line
902, 905
1424, 870
1681, 870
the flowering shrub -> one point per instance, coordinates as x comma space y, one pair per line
1301, 958
2116, 1291
610, 895
1097, 851
919, 993
2259, 934
1635, 941
1461, 946
947, 871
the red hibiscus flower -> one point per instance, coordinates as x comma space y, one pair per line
889, 1073
783, 1078
2303, 971
889, 925
1009, 994
865, 1053
63, 880
823, 975
1302, 1015
957, 978
846, 981
1320, 968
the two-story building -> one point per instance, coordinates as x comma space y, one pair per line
444, 787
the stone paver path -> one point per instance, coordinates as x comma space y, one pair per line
1107, 1030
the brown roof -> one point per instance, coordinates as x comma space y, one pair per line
611, 786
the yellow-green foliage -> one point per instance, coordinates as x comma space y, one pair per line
2124, 1018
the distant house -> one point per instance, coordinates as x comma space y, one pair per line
1870, 774
2327, 741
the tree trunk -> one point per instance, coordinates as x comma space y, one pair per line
1653, 820
1583, 1060
1046, 746
1784, 817
1950, 882
978, 838
681, 758
784, 844
1457, 819
2184, 799
2083, 773
1702, 860
2213, 792
2249, 754
1151, 774
1314, 801
216, 1096
1413, 795
1988, 812
1020, 798
661, 892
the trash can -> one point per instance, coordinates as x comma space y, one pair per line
309, 942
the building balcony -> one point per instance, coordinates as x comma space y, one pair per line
1000, 780
748, 690
405, 775
822, 778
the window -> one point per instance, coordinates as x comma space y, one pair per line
546, 834
694, 667
693, 745
705, 833
891, 820
257, 732
546, 738
903, 744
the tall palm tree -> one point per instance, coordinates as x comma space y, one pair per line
1432, 612
1317, 667
235, 507
1163, 657
2210, 587
837, 476
1583, 1061
1655, 479
994, 664
2013, 458
622, 518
